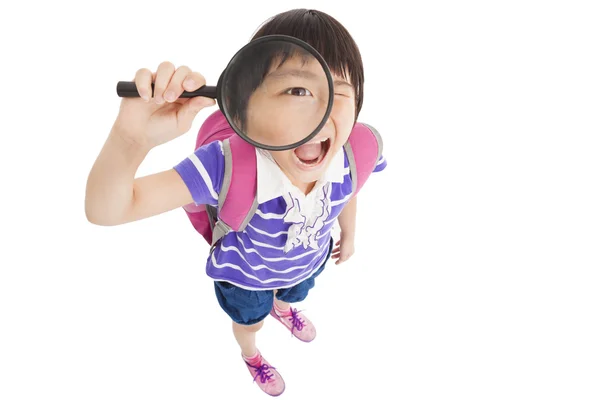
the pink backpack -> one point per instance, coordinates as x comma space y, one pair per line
237, 200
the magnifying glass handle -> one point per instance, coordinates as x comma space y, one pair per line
128, 89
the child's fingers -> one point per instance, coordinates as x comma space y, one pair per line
193, 81
175, 88
143, 83
343, 256
338, 242
163, 77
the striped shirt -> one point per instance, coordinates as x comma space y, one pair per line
288, 238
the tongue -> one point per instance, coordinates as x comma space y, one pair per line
309, 152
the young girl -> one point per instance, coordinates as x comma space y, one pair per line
271, 264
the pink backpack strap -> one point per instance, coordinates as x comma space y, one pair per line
237, 199
215, 127
363, 148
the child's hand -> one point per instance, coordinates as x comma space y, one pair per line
344, 248
150, 121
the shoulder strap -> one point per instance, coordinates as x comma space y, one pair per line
363, 148
237, 199
215, 127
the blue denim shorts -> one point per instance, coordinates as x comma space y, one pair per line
248, 307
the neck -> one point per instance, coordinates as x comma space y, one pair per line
303, 186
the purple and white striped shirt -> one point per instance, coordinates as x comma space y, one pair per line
288, 238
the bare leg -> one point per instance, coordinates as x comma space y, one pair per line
266, 376
282, 305
246, 337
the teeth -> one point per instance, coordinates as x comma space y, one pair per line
319, 141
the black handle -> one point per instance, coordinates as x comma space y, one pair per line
128, 89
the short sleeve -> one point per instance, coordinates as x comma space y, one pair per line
202, 172
381, 164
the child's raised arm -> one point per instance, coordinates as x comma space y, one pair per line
113, 196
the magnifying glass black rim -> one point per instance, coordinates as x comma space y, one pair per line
312, 51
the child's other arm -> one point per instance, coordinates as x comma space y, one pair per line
113, 195
347, 219
345, 246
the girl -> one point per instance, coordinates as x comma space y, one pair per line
271, 264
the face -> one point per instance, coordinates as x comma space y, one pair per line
289, 105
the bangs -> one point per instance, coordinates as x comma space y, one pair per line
328, 37
289, 51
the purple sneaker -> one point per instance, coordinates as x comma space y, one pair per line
268, 380
297, 323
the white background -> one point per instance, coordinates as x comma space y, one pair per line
478, 250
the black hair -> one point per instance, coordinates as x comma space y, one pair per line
328, 36
324, 33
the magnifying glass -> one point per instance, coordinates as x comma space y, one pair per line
276, 92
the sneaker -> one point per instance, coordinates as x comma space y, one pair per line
297, 323
265, 375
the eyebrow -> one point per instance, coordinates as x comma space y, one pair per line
278, 74
300, 73
342, 83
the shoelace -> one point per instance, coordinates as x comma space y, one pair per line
296, 321
262, 371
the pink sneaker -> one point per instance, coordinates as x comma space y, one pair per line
268, 380
297, 323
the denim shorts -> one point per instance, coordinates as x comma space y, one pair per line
248, 307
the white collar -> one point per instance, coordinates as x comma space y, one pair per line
272, 182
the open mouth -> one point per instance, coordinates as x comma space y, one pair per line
312, 154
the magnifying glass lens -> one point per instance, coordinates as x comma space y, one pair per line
276, 93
